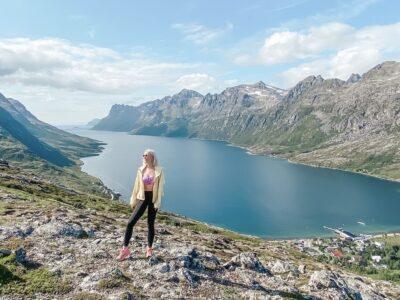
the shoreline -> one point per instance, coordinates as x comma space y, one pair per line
249, 152
373, 235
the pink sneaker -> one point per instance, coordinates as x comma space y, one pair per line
149, 251
124, 253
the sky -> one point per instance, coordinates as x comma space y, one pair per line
68, 62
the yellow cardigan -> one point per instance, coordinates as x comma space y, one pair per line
158, 187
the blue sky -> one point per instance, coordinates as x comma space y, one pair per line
69, 61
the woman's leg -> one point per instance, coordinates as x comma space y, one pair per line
151, 218
136, 214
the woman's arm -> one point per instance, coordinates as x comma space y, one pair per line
135, 189
161, 181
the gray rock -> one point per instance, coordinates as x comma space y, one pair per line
22, 232
280, 266
173, 278
332, 282
57, 228
4, 252
20, 256
153, 260
302, 269
165, 267
248, 260
186, 275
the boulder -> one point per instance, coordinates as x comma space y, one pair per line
248, 260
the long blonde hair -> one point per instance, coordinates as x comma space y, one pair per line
152, 153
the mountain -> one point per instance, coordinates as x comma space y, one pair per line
71, 144
93, 122
12, 130
40, 148
189, 113
351, 125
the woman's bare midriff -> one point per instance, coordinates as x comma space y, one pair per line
148, 187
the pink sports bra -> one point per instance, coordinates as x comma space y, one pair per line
148, 179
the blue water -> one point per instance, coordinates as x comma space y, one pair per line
268, 197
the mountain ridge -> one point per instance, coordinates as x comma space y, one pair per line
314, 122
41, 148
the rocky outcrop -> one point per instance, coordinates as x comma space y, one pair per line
188, 113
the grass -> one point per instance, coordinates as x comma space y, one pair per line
389, 240
17, 279
46, 193
113, 282
197, 226
88, 296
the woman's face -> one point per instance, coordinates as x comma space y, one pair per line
148, 158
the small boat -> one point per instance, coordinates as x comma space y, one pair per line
361, 223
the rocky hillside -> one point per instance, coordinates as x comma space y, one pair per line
33, 145
70, 144
352, 125
56, 243
13, 131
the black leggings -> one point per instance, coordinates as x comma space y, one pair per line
137, 213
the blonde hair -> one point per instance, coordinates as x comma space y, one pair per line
152, 153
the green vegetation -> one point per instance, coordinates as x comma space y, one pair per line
44, 193
304, 137
361, 262
88, 296
199, 227
381, 164
114, 281
17, 278
39, 148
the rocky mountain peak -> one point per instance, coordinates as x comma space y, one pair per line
354, 77
185, 93
304, 85
260, 85
117, 106
387, 69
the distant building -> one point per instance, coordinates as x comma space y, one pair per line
337, 253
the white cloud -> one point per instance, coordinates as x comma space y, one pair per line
66, 83
200, 34
331, 50
200, 82
60, 64
335, 36
340, 65
287, 46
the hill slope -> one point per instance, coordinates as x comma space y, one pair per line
43, 149
12, 129
59, 243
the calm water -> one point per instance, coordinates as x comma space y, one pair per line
223, 185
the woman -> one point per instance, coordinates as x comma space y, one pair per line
147, 193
